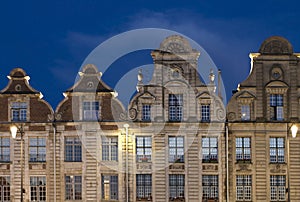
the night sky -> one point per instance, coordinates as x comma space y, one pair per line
51, 39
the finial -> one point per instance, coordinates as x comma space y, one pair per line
211, 76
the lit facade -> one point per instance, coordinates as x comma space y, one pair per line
172, 143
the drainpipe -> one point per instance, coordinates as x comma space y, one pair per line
227, 161
54, 159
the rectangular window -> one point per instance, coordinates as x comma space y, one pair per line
37, 149
18, 111
4, 188
146, 113
73, 149
176, 186
4, 149
73, 187
210, 186
176, 150
277, 150
90, 111
38, 188
243, 149
175, 107
278, 189
245, 112
143, 149
276, 107
143, 186
243, 187
205, 112
109, 187
109, 148
209, 149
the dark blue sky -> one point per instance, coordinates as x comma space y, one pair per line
51, 39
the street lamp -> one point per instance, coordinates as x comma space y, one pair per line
126, 126
294, 130
14, 130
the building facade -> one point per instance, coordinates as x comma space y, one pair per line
174, 142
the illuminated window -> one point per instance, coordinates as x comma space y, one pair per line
209, 149
175, 107
73, 149
243, 149
176, 150
243, 187
144, 186
4, 150
210, 187
109, 187
18, 111
38, 188
245, 112
146, 113
4, 188
90, 111
37, 149
143, 149
276, 107
278, 189
205, 112
109, 148
277, 150
73, 187
176, 186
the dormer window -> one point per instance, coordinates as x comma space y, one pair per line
90, 110
146, 112
19, 111
175, 107
276, 107
205, 112
245, 112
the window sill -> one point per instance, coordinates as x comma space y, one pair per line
243, 162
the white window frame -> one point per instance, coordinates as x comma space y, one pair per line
110, 187
90, 110
109, 148
243, 187
38, 190
73, 187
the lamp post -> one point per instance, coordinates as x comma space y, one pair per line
294, 130
126, 126
14, 130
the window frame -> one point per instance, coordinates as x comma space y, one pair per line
4, 157
75, 144
205, 113
245, 112
244, 185
39, 156
112, 147
209, 148
278, 184
243, 148
146, 149
143, 186
176, 186
18, 111
277, 150
90, 110
146, 112
5, 189
113, 187
210, 187
276, 107
175, 107
178, 158
40, 190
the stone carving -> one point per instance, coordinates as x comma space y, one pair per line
132, 113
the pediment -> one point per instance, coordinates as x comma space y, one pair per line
147, 96
245, 95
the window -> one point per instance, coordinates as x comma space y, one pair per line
18, 111
276, 107
243, 149
176, 150
146, 113
72, 149
209, 149
143, 149
73, 187
277, 183
175, 107
243, 187
109, 148
109, 187
245, 112
210, 186
90, 110
4, 188
176, 185
4, 150
37, 149
143, 186
277, 150
38, 188
205, 112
